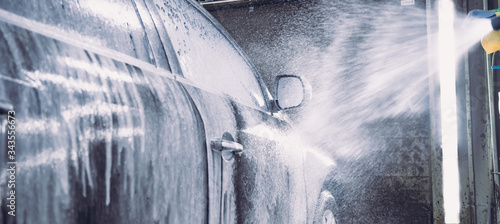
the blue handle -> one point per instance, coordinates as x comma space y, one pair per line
483, 14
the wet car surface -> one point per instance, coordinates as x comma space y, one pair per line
118, 105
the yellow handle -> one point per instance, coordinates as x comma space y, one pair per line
491, 42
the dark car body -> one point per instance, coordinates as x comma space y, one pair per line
117, 105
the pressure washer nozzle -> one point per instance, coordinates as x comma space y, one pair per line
490, 42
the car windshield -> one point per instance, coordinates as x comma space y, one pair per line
206, 56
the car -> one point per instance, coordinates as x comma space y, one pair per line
146, 112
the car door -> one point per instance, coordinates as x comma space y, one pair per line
263, 184
103, 134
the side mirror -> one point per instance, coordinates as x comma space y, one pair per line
289, 92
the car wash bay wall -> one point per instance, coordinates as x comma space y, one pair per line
477, 92
478, 128
396, 177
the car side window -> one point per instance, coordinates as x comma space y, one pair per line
206, 56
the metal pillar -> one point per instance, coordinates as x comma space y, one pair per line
436, 155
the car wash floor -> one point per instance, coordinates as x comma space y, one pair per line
375, 109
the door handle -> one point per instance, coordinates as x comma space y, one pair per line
222, 145
226, 146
